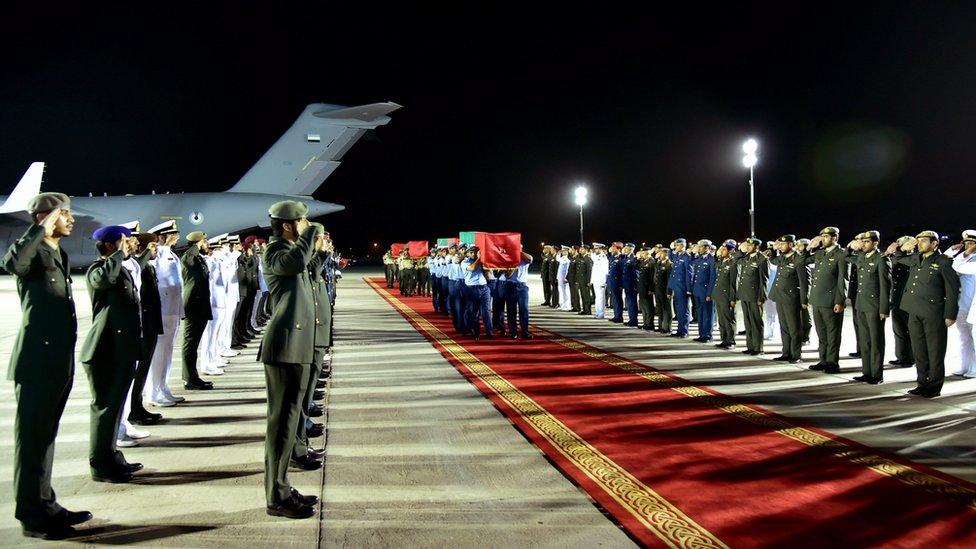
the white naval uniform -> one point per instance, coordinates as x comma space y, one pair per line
565, 304
170, 284
598, 278
966, 267
135, 271
233, 297
209, 360
769, 308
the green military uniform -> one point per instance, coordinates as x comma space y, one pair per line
904, 356
574, 297
152, 328
544, 274
828, 288
931, 299
109, 353
752, 273
873, 300
662, 272
42, 366
722, 295
423, 276
388, 268
645, 291
789, 292
407, 279
550, 279
583, 272
288, 347
196, 307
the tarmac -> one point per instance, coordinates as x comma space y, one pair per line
415, 455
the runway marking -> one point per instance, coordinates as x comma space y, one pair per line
661, 517
839, 448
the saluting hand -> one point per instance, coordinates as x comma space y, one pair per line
883, 316
891, 248
50, 220
950, 322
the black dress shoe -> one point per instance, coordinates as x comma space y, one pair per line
319, 394
198, 386
237, 347
306, 464
795, 360
756, 353
615, 321
862, 379
320, 384
312, 453
70, 518
907, 365
875, 380
50, 531
831, 369
145, 418
526, 336
916, 391
742, 333
747, 352
132, 467
291, 508
895, 362
315, 411
315, 431
929, 394
854, 355
818, 366
722, 345
782, 357
114, 476
304, 500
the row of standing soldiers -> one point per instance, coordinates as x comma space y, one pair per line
911, 282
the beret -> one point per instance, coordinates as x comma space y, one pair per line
288, 210
804, 241
319, 228
166, 227
146, 238
832, 231
110, 233
680, 241
249, 241
874, 236
928, 234
617, 244
729, 245
754, 240
902, 240
704, 242
196, 236
969, 235
46, 202
787, 238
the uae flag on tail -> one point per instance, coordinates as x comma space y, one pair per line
447, 241
418, 248
397, 248
467, 237
500, 250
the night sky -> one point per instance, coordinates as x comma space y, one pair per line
866, 119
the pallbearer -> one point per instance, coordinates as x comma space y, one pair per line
42, 363
789, 291
478, 297
518, 299
288, 349
873, 305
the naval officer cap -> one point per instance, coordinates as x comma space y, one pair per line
928, 234
133, 227
235, 238
288, 210
873, 236
46, 202
110, 233
647, 248
196, 236
832, 231
803, 241
704, 242
969, 236
787, 238
629, 245
166, 227
599, 245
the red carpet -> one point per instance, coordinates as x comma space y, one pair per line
684, 466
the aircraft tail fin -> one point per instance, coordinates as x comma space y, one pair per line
28, 187
312, 148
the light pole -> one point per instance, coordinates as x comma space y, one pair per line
580, 201
750, 147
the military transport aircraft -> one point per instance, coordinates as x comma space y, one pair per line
294, 167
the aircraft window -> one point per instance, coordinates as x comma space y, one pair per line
313, 138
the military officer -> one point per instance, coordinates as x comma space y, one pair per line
42, 363
479, 300
388, 262
853, 249
627, 264
407, 278
662, 293
517, 299
932, 304
873, 304
964, 263
287, 349
828, 295
574, 289
904, 355
680, 284
562, 271
598, 278
789, 291
703, 282
723, 293
152, 329
645, 287
584, 272
546, 261
110, 351
613, 282
170, 287
752, 273
196, 307
805, 322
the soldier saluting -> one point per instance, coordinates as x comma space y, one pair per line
196, 308
42, 363
872, 305
828, 294
288, 349
752, 272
